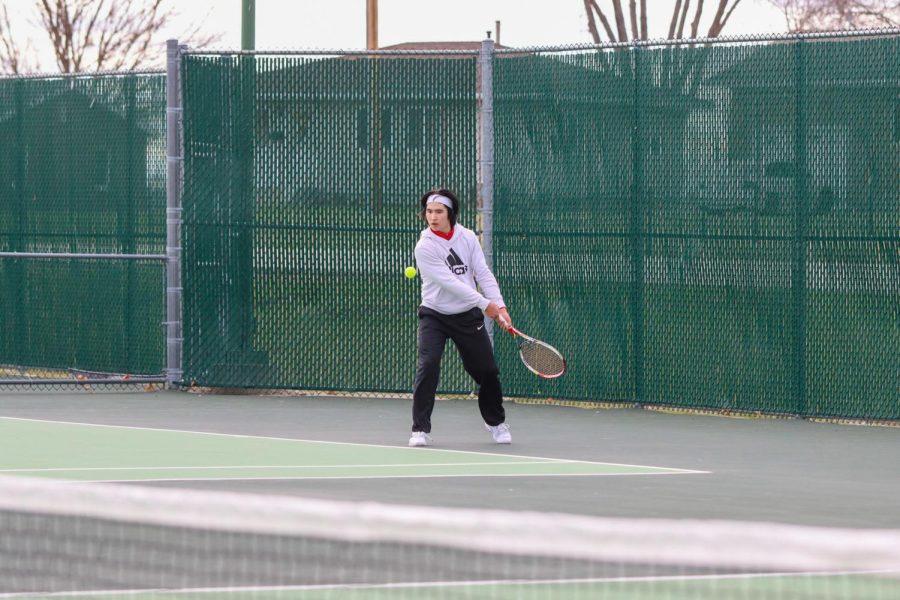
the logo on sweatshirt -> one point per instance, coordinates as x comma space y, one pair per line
455, 263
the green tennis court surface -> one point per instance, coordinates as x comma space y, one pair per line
108, 558
88, 452
721, 587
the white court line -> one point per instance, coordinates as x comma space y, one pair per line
398, 447
440, 584
338, 466
426, 476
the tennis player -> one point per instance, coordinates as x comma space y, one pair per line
452, 266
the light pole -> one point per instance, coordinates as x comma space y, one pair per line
371, 24
248, 25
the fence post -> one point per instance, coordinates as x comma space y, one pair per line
485, 61
801, 232
19, 349
174, 165
638, 210
125, 230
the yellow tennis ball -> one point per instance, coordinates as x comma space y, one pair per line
410, 272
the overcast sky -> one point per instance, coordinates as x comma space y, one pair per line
289, 24
342, 23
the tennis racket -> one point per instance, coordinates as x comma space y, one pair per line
539, 357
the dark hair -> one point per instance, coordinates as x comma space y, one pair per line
442, 192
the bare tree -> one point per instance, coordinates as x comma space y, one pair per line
826, 15
636, 26
108, 35
11, 53
101, 34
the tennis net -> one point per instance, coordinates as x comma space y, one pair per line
111, 541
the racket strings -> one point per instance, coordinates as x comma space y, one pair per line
542, 358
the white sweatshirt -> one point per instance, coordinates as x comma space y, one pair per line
452, 269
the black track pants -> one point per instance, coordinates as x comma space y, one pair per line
468, 332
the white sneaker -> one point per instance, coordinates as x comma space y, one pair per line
419, 438
500, 432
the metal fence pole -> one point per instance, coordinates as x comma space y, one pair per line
17, 268
638, 226
485, 60
801, 231
174, 164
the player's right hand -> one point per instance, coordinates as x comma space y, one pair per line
499, 315
504, 319
492, 310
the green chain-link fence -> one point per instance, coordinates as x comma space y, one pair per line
302, 175
713, 226
709, 226
82, 171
